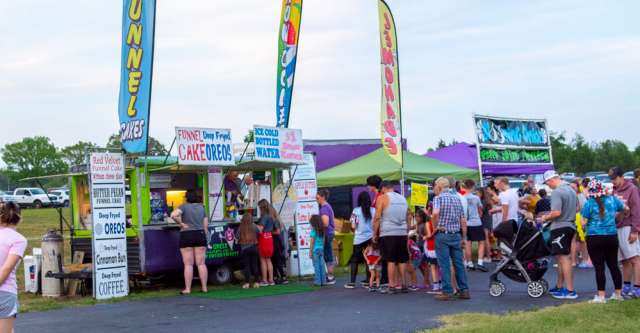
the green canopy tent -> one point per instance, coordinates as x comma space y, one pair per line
417, 168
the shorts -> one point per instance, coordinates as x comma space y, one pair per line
561, 240
8, 305
430, 257
394, 249
417, 262
627, 250
265, 245
376, 268
193, 238
487, 224
328, 249
475, 234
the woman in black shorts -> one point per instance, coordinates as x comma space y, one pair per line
193, 223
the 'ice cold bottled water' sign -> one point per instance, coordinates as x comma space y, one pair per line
275, 144
109, 239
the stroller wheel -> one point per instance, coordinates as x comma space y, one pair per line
535, 289
496, 289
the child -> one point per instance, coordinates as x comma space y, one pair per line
372, 255
247, 235
421, 227
432, 260
316, 252
416, 259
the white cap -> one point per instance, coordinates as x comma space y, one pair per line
549, 174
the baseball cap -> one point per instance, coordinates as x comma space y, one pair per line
549, 174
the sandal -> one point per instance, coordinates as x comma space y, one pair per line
185, 292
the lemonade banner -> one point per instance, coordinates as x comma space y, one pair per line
419, 194
390, 113
138, 27
288, 38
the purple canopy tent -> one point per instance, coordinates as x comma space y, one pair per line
466, 155
330, 153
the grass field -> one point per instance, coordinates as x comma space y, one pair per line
569, 318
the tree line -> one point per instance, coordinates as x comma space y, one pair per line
38, 156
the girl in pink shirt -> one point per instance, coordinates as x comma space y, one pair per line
12, 246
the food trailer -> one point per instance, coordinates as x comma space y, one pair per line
159, 183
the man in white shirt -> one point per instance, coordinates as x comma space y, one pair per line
509, 200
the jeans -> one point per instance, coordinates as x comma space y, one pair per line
318, 268
448, 248
328, 249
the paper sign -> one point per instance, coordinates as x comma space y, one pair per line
204, 146
278, 145
419, 194
216, 202
109, 241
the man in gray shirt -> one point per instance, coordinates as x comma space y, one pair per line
564, 205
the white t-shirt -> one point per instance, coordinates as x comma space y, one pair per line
465, 205
364, 227
510, 197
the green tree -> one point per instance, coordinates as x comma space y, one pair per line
75, 154
441, 144
613, 153
32, 157
154, 147
249, 137
561, 152
582, 155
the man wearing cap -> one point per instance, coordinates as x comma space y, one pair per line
628, 225
451, 232
564, 205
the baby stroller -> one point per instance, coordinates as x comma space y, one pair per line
524, 250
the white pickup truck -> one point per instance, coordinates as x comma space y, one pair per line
32, 197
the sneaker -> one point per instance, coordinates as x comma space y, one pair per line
264, 284
635, 293
413, 288
403, 290
482, 268
626, 291
471, 267
331, 280
565, 294
463, 295
435, 289
598, 300
256, 285
350, 285
285, 281
272, 283
384, 290
245, 286
373, 289
364, 285
555, 291
443, 297
615, 297
585, 265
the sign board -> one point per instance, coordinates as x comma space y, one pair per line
419, 194
109, 240
204, 146
216, 202
281, 145
512, 141
305, 183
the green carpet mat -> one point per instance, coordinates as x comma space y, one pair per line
236, 292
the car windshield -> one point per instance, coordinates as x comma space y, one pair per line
55, 192
36, 191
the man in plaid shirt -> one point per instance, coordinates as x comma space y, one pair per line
451, 232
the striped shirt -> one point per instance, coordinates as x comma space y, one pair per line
451, 211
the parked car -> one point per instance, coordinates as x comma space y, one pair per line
62, 197
33, 197
605, 180
629, 175
592, 174
6, 196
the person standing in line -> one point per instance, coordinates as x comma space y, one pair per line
543, 205
247, 235
316, 252
628, 227
475, 230
600, 212
564, 204
278, 260
266, 224
580, 245
390, 229
421, 230
12, 247
362, 226
487, 221
326, 213
509, 200
373, 184
636, 177
451, 233
194, 229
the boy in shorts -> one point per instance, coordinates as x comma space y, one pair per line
372, 255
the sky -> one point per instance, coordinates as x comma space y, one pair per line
575, 63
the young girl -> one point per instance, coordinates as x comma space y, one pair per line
248, 239
372, 256
432, 260
265, 241
415, 254
421, 228
316, 252
12, 247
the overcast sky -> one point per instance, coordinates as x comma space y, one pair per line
576, 63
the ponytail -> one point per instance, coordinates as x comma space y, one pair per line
10, 213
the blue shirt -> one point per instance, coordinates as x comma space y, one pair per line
318, 241
606, 225
451, 211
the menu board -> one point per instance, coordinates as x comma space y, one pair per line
275, 144
109, 239
304, 181
204, 146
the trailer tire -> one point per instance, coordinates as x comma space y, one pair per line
221, 275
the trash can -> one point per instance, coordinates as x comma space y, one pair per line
51, 262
